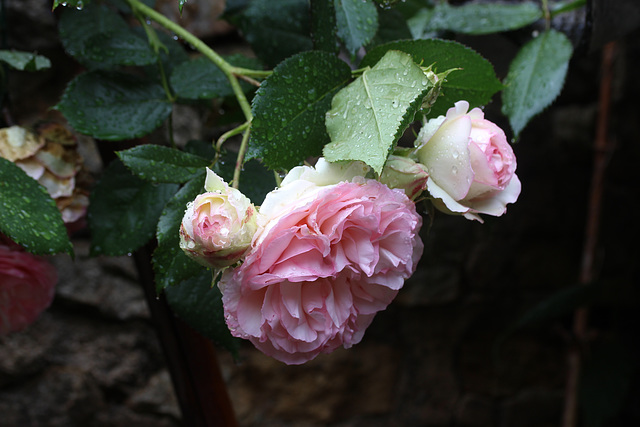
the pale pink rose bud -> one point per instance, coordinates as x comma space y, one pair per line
333, 248
27, 286
405, 174
218, 226
471, 165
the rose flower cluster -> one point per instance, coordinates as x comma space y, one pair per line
307, 272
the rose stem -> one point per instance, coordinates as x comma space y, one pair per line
602, 148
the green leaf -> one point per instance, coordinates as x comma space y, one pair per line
114, 106
475, 82
369, 116
276, 32
181, 5
28, 215
99, 38
202, 79
357, 22
123, 210
290, 106
170, 264
201, 148
199, 304
24, 61
323, 26
155, 163
391, 26
78, 4
473, 18
535, 78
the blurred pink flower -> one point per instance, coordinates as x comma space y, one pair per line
27, 285
326, 259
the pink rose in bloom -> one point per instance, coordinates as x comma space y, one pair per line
471, 165
332, 249
27, 285
218, 225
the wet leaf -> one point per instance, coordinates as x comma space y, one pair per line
114, 106
323, 26
475, 82
28, 215
290, 106
275, 32
473, 18
202, 79
391, 26
155, 163
78, 4
369, 115
99, 38
170, 264
24, 61
199, 304
124, 210
535, 78
357, 22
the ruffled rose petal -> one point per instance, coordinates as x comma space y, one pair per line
326, 259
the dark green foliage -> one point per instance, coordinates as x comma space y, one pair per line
124, 210
289, 108
475, 82
162, 164
113, 105
28, 215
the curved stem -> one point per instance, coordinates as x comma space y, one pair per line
247, 72
240, 159
201, 47
229, 134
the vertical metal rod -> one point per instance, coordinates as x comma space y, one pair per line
602, 148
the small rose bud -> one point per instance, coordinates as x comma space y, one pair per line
405, 174
218, 226
471, 165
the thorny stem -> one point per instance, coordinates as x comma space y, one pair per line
603, 146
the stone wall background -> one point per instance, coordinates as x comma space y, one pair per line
93, 358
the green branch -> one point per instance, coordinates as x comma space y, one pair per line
201, 47
240, 159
